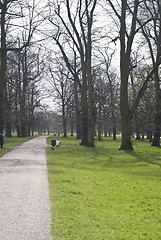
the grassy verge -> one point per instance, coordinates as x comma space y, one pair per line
103, 193
12, 142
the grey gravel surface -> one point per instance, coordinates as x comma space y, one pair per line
24, 193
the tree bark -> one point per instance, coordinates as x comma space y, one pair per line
2, 65
126, 143
84, 141
23, 96
64, 120
91, 128
126, 118
157, 127
125, 51
92, 117
99, 122
78, 120
114, 132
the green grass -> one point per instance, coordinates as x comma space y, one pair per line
12, 142
103, 193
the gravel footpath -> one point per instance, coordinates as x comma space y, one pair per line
24, 193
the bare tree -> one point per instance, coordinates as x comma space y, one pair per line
18, 19
112, 78
129, 27
78, 28
152, 34
61, 83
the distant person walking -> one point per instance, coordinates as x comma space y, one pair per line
1, 140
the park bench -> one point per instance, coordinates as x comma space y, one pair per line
55, 143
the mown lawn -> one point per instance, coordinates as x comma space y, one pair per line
103, 193
12, 142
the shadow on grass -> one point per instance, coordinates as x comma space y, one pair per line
146, 163
101, 159
150, 158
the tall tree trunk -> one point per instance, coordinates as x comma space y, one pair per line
84, 141
126, 117
137, 130
92, 117
157, 123
157, 127
78, 120
142, 137
91, 128
8, 106
114, 132
83, 91
8, 119
2, 65
17, 100
126, 143
18, 128
71, 124
64, 120
32, 123
8, 128
99, 123
23, 110
99, 132
105, 126
138, 135
150, 135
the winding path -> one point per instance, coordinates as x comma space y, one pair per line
24, 193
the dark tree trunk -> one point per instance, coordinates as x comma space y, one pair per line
114, 133
23, 128
157, 129
23, 109
126, 143
2, 64
1, 113
92, 117
91, 128
8, 128
99, 135
138, 135
18, 129
99, 123
126, 117
142, 137
105, 131
156, 139
84, 141
99, 132
72, 126
64, 121
125, 52
7, 111
32, 123
77, 111
150, 136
